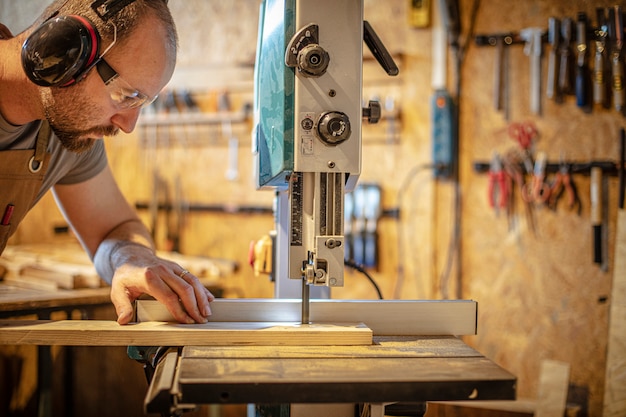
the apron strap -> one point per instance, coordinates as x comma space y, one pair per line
41, 148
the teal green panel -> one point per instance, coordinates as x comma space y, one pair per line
274, 93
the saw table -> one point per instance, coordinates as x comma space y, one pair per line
392, 369
409, 359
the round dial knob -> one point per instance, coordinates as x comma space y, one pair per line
334, 127
313, 60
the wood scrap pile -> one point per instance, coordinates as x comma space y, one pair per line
67, 266
49, 267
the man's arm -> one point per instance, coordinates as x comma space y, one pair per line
123, 251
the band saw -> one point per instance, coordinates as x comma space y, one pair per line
308, 115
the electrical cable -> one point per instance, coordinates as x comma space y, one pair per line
454, 249
404, 185
361, 269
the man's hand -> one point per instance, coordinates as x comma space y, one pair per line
133, 269
139, 272
123, 251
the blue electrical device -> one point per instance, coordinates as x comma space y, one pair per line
444, 133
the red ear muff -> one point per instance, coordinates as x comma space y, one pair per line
60, 51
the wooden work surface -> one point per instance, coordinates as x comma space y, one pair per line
109, 333
418, 368
15, 301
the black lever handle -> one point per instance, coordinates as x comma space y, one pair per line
379, 51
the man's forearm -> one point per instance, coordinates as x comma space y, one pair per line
119, 246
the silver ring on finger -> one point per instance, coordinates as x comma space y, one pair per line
183, 273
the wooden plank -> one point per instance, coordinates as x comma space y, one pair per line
553, 386
31, 283
109, 333
65, 275
14, 300
516, 408
386, 317
615, 381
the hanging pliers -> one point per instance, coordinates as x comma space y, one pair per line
563, 184
498, 191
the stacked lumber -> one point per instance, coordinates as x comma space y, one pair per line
67, 266
49, 267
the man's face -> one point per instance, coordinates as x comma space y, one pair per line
84, 112
72, 114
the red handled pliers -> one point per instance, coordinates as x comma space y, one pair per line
563, 184
498, 192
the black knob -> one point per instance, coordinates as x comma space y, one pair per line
313, 60
334, 127
372, 112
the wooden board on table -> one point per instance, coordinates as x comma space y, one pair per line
109, 333
384, 317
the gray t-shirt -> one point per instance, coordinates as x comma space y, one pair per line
65, 167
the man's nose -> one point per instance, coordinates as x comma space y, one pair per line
126, 119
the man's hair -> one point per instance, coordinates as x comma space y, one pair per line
125, 21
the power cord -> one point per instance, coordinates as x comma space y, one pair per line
361, 269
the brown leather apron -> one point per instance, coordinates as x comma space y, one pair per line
21, 176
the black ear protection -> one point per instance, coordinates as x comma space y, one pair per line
63, 49
60, 51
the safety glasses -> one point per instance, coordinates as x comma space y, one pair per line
122, 93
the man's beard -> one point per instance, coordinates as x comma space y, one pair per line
77, 140
66, 111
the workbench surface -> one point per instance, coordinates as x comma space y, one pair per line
392, 369
16, 301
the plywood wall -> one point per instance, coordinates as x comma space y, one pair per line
540, 295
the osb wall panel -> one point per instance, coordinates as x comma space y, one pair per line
540, 294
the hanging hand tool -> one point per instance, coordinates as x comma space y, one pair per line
565, 72
372, 214
499, 74
501, 68
604, 265
596, 212
523, 133
532, 48
358, 230
616, 33
582, 93
554, 36
513, 168
498, 191
622, 168
600, 95
563, 184
537, 190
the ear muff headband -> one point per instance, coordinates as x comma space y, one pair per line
60, 51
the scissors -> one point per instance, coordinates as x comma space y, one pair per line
523, 133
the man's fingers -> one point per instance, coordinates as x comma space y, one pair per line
159, 287
179, 291
123, 305
191, 293
202, 295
